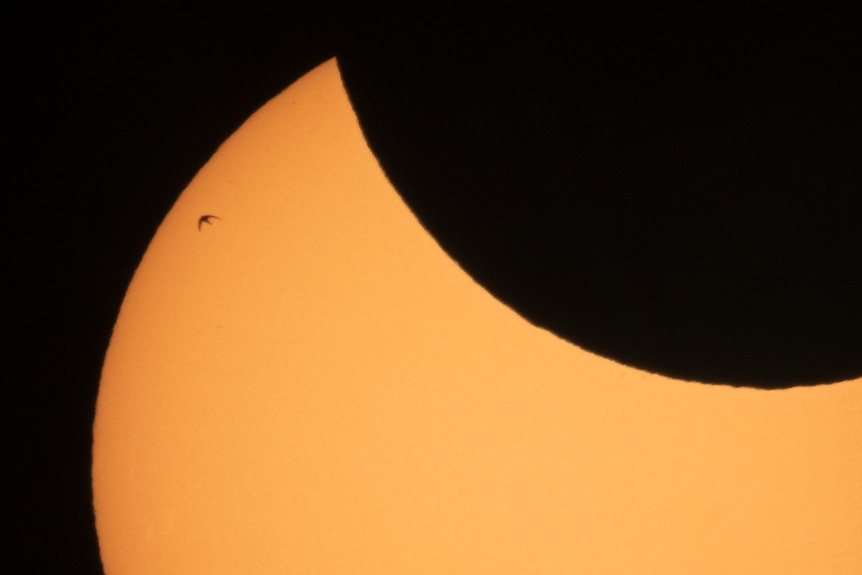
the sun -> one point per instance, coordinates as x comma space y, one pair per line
300, 379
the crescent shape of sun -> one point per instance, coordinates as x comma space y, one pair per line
304, 382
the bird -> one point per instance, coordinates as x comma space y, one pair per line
205, 219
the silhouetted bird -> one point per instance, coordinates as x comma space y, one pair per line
206, 220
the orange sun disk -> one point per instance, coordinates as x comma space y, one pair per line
304, 382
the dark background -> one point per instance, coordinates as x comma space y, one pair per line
678, 191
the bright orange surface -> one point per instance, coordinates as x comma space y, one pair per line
310, 385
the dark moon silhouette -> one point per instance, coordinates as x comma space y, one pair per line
676, 192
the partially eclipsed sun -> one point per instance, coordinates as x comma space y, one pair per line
307, 383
